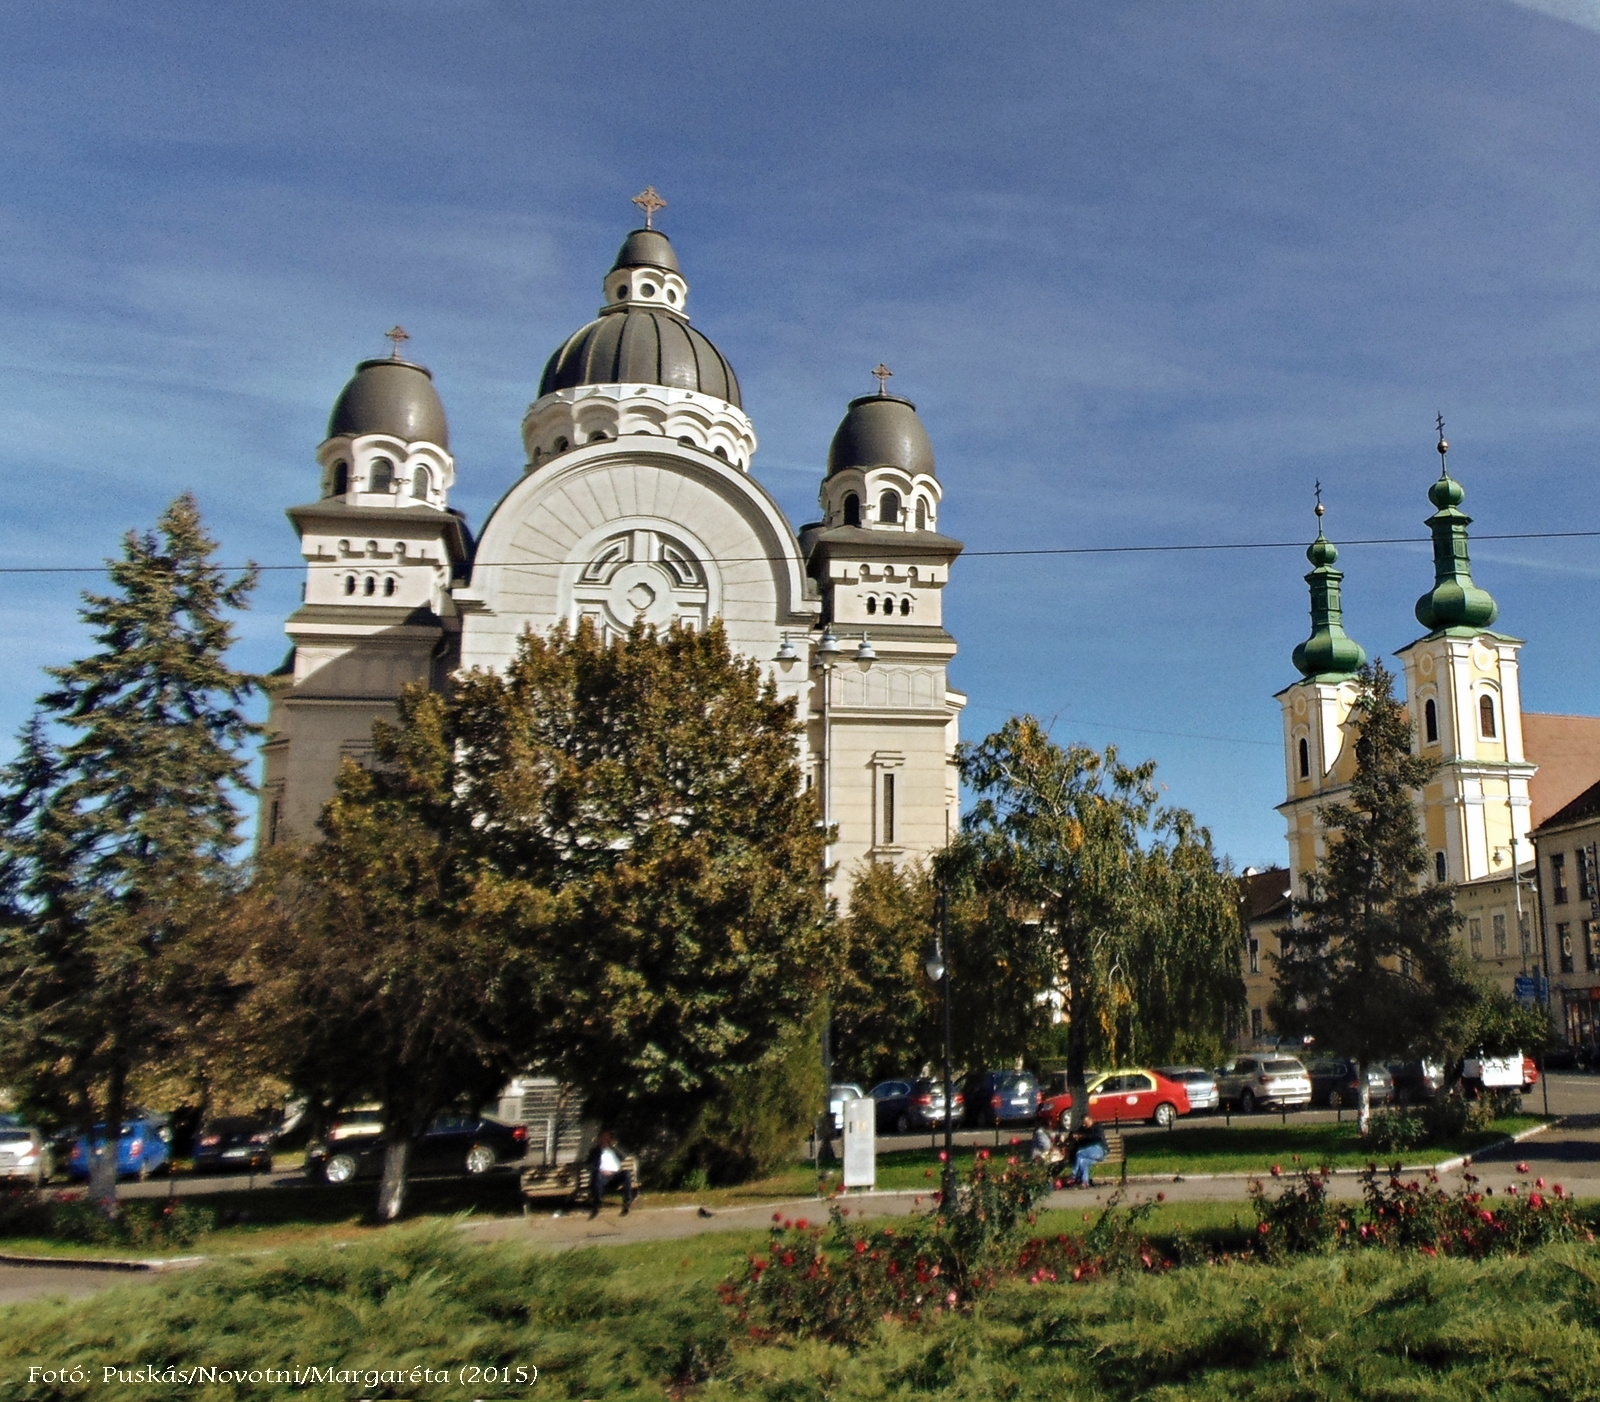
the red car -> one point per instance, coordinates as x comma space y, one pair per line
1119, 1096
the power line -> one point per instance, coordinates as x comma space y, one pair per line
1180, 549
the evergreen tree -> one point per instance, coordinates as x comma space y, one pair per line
1371, 968
118, 825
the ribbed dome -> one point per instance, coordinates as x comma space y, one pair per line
881, 430
393, 397
641, 346
646, 248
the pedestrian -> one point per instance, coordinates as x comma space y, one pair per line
1089, 1148
606, 1172
1044, 1147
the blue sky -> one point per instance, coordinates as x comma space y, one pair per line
1147, 267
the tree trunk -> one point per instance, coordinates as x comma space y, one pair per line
104, 1150
392, 1186
1364, 1098
1077, 1052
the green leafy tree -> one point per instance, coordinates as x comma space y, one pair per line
118, 826
1077, 884
1371, 967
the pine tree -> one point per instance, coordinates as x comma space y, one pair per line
119, 824
1371, 969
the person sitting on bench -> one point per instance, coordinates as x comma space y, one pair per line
606, 1172
1089, 1148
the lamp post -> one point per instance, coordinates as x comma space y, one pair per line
937, 967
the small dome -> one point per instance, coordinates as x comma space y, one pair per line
393, 397
641, 346
646, 248
881, 430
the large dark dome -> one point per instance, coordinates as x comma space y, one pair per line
641, 346
881, 430
393, 397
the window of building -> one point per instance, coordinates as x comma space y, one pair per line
349, 584
1558, 878
388, 587
421, 483
272, 824
872, 603
1305, 758
1255, 956
341, 478
381, 476
889, 508
1585, 875
1441, 868
1501, 949
852, 510
1475, 936
1564, 946
922, 514
370, 586
1486, 717
1430, 721
1525, 934
888, 808
1591, 946
1255, 1024
905, 608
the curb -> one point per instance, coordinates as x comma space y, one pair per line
132, 1265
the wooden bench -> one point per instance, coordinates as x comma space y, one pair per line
571, 1181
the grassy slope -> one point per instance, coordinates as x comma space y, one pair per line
629, 1321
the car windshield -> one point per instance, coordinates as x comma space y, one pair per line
1284, 1067
1189, 1075
14, 1136
1014, 1080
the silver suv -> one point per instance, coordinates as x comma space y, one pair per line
1249, 1081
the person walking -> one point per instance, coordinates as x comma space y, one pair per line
1089, 1148
607, 1172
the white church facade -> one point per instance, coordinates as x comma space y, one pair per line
636, 501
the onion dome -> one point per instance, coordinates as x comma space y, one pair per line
642, 335
1454, 601
393, 397
1329, 654
881, 430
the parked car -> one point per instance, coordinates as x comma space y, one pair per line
453, 1143
234, 1143
837, 1095
1416, 1080
907, 1106
24, 1154
1199, 1084
1255, 1080
1120, 1097
1335, 1083
143, 1148
1000, 1097
1530, 1074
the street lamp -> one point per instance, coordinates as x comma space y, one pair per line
937, 967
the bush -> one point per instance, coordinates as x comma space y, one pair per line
1421, 1215
1446, 1117
72, 1218
1300, 1220
1395, 1131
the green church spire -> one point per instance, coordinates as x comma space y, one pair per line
1328, 654
1454, 601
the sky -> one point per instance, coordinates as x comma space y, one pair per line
1148, 268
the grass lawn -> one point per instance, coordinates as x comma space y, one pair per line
643, 1321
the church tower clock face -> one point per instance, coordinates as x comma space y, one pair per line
642, 576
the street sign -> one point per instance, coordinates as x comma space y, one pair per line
861, 1143
1525, 987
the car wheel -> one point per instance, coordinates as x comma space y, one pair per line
1165, 1115
341, 1168
903, 1124
480, 1159
1247, 1102
1335, 1100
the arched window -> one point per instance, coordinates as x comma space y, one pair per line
889, 508
421, 483
872, 604
1305, 759
1441, 868
905, 608
922, 514
1486, 717
341, 478
1430, 722
349, 584
559, 446
388, 587
381, 475
852, 510
370, 587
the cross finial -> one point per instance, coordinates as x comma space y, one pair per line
397, 334
1443, 446
883, 372
649, 202
1320, 508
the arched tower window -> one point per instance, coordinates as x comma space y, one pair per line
1430, 722
341, 478
382, 475
852, 510
889, 508
1486, 717
349, 584
1305, 759
421, 483
1441, 868
388, 587
872, 604
369, 586
905, 607
922, 514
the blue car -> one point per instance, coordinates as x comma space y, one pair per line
145, 1148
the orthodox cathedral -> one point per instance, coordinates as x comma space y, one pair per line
636, 501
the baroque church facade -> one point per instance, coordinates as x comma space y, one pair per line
636, 501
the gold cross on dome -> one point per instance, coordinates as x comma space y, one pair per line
883, 372
1320, 507
397, 334
649, 202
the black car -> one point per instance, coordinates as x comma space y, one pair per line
1415, 1081
1335, 1083
453, 1143
906, 1106
996, 1097
237, 1144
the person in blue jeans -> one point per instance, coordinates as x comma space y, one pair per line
1089, 1148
